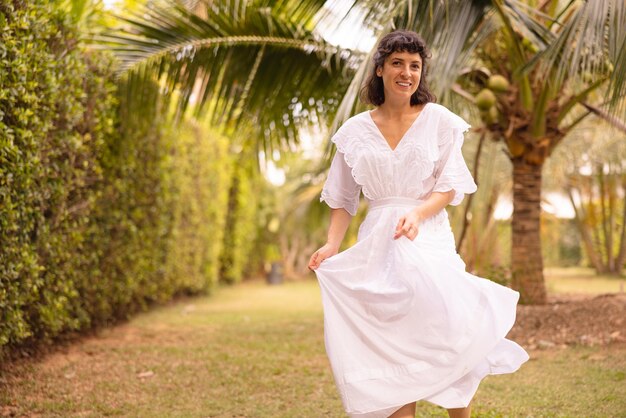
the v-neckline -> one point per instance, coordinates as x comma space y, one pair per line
380, 133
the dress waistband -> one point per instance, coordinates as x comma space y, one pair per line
394, 202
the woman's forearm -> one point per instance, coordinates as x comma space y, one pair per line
339, 222
434, 204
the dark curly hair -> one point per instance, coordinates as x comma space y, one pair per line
397, 41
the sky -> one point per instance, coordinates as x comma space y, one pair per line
110, 4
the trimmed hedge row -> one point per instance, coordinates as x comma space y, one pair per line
46, 168
241, 221
201, 177
102, 211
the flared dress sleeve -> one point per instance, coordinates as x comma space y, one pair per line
451, 171
340, 189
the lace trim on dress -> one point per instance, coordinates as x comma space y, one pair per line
347, 145
421, 159
350, 207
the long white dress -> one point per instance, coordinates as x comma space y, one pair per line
403, 320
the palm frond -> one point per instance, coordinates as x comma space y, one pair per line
242, 62
449, 29
590, 41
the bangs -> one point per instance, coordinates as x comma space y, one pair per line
403, 44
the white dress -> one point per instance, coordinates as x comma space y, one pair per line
403, 320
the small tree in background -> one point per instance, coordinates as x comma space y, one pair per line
591, 172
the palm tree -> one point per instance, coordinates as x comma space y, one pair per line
557, 63
265, 64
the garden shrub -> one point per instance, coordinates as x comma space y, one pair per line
104, 206
202, 170
46, 169
241, 221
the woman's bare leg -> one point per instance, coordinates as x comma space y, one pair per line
407, 411
459, 412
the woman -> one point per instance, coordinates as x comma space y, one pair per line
403, 320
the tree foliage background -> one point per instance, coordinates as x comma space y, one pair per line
104, 208
557, 61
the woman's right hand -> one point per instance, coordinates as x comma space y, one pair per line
327, 250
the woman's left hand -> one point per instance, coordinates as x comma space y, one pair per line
408, 225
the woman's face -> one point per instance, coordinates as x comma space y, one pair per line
401, 73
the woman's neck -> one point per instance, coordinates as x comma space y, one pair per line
396, 109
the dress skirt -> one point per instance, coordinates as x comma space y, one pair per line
404, 321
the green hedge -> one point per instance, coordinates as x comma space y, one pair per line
201, 168
241, 221
104, 208
46, 168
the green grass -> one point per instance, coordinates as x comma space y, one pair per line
581, 280
258, 351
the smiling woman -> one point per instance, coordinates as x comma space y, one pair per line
397, 80
404, 321
406, 62
402, 72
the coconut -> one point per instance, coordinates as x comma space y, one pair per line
485, 99
490, 116
498, 83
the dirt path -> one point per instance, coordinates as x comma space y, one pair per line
572, 320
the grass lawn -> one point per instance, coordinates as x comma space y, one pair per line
581, 280
258, 351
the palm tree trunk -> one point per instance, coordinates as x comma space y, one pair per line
526, 257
